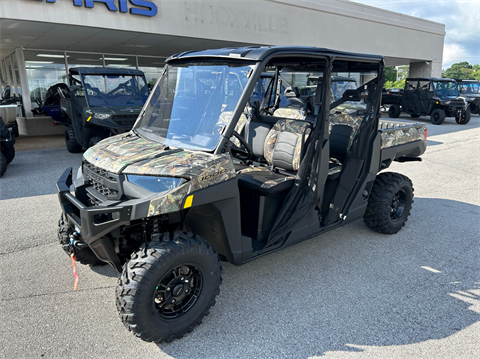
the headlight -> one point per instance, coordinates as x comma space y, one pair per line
102, 116
156, 184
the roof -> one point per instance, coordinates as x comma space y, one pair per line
259, 53
106, 71
429, 79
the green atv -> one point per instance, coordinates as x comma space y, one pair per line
212, 172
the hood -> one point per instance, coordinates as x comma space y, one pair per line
130, 154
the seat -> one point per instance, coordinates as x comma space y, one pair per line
282, 149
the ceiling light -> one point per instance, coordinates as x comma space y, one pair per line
116, 58
52, 55
39, 62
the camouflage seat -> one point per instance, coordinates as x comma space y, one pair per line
282, 149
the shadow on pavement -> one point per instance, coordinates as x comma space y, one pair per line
349, 287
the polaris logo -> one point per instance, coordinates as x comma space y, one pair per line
137, 7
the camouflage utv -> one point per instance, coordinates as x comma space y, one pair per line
215, 170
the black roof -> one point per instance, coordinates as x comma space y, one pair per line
106, 71
429, 79
259, 53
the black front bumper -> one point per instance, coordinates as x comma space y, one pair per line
92, 223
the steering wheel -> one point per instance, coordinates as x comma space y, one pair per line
243, 154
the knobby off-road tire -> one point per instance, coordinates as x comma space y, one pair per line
389, 203
168, 286
94, 140
8, 151
3, 164
437, 116
466, 115
72, 145
84, 255
394, 111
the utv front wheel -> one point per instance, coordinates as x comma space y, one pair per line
168, 286
389, 203
72, 145
465, 118
84, 255
3, 164
394, 111
438, 116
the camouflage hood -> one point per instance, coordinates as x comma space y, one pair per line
131, 154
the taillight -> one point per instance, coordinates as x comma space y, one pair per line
425, 133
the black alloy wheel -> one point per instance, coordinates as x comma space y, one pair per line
178, 291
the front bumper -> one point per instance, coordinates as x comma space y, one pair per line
92, 223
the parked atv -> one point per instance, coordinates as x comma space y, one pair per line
435, 97
212, 173
7, 141
101, 102
470, 90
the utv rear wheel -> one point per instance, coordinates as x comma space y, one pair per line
84, 255
3, 164
394, 111
72, 145
438, 116
465, 118
168, 286
389, 203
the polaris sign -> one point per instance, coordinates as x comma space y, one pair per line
136, 7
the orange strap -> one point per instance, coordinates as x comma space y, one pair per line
74, 272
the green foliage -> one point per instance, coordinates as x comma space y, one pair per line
394, 84
390, 73
462, 70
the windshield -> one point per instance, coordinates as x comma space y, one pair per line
115, 90
191, 104
445, 88
469, 87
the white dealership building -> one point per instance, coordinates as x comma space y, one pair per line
41, 39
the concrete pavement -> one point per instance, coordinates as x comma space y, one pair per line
350, 293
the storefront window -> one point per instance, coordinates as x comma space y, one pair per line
152, 67
44, 69
77, 59
16, 75
126, 62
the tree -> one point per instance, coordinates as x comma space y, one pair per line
461, 70
390, 74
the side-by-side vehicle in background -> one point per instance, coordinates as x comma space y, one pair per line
428, 96
98, 102
218, 168
470, 90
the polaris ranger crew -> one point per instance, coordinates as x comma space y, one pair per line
212, 173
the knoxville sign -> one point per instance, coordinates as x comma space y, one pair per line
136, 7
